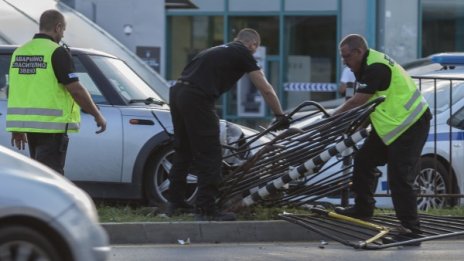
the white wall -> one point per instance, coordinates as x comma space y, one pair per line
146, 17
399, 29
353, 17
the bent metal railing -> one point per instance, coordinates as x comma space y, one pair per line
436, 186
290, 168
298, 167
379, 232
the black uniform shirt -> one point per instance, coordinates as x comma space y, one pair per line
217, 69
373, 78
63, 65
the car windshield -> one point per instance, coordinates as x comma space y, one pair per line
126, 82
444, 93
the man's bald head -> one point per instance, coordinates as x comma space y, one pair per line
50, 19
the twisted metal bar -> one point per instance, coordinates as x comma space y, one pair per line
276, 163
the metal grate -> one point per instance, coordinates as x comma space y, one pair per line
379, 232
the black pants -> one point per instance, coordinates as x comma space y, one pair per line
49, 149
196, 143
403, 161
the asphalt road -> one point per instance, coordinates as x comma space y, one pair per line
431, 250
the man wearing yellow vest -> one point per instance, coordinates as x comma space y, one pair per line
400, 126
45, 95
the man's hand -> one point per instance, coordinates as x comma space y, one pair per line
82, 97
18, 140
101, 122
281, 122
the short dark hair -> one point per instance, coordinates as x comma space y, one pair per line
49, 19
354, 41
248, 35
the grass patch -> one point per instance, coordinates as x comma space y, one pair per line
455, 211
111, 212
125, 212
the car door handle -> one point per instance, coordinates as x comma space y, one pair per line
141, 122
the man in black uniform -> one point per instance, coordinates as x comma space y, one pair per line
400, 126
196, 125
41, 109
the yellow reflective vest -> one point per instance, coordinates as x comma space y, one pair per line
403, 105
37, 102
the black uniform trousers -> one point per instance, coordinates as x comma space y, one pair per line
49, 149
403, 162
197, 145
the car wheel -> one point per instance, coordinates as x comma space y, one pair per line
434, 178
157, 182
23, 243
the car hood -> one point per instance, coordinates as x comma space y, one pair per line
27, 184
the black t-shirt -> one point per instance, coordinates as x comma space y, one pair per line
374, 77
63, 65
217, 69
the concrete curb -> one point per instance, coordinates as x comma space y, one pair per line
212, 232
207, 232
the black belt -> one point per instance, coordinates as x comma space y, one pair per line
184, 82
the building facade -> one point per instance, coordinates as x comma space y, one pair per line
300, 38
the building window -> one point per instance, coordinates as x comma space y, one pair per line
188, 36
311, 52
442, 27
245, 101
267, 27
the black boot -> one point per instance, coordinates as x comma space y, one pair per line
179, 208
355, 212
213, 214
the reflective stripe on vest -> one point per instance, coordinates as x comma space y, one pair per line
35, 111
42, 125
409, 121
411, 101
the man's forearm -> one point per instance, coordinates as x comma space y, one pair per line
85, 102
274, 103
82, 97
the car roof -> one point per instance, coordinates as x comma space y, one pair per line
452, 74
75, 50
448, 59
439, 65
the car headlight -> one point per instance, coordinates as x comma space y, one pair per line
234, 136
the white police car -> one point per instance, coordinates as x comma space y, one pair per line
442, 169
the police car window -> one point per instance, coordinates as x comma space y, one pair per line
457, 120
88, 83
4, 68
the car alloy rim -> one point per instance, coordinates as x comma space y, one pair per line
162, 182
430, 182
21, 250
